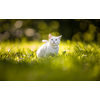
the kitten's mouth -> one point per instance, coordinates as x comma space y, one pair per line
54, 44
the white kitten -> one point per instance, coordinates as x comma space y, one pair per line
49, 48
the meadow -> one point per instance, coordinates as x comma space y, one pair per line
76, 61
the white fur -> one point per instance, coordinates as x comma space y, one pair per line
49, 48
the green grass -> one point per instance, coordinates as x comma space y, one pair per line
76, 61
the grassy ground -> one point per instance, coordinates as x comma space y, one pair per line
76, 61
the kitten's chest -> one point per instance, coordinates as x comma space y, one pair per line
52, 50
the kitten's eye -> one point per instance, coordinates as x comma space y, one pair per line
56, 39
52, 39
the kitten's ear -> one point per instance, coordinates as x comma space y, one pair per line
50, 36
60, 36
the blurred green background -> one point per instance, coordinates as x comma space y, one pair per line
37, 29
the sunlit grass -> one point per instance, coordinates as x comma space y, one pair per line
75, 61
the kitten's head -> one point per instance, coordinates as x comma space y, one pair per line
54, 40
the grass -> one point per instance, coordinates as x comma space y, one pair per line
76, 61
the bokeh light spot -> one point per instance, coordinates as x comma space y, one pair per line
18, 24
42, 25
29, 32
88, 36
19, 33
55, 24
55, 33
6, 35
92, 28
77, 36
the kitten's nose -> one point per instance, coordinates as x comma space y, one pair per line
53, 42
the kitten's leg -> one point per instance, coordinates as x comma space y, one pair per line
40, 52
57, 49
